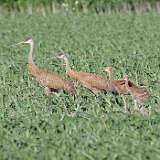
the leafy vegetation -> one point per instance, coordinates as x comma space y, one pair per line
76, 6
31, 129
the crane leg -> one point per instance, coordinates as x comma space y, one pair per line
65, 107
95, 91
92, 89
136, 106
77, 111
125, 104
62, 101
48, 93
117, 101
144, 111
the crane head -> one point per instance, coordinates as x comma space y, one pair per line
28, 40
62, 55
108, 69
126, 77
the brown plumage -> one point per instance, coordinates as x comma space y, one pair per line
91, 81
51, 81
118, 86
139, 94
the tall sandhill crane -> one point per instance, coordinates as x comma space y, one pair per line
52, 82
118, 86
91, 81
139, 93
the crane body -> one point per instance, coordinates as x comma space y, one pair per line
139, 94
118, 87
90, 81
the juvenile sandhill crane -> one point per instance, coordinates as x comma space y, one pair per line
52, 82
91, 81
118, 86
139, 93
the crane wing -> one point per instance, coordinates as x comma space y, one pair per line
93, 80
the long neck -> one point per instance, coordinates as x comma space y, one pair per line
126, 85
30, 56
68, 68
73, 74
33, 69
110, 75
110, 84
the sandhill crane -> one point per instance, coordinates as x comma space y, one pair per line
139, 93
118, 86
91, 81
52, 82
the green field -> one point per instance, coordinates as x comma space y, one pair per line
31, 129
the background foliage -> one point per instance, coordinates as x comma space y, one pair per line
98, 6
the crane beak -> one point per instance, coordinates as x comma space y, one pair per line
55, 56
17, 44
105, 69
